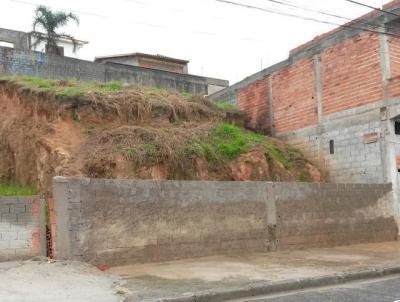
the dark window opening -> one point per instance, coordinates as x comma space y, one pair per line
331, 146
397, 128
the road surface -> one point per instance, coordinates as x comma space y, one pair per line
375, 290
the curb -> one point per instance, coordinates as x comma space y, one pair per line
280, 286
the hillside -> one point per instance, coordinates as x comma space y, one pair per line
70, 128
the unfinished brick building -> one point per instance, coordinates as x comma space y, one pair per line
336, 97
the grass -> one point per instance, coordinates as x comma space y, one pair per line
225, 105
227, 142
11, 190
186, 94
68, 88
304, 177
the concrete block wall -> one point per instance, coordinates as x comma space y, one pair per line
353, 158
156, 78
358, 138
33, 63
327, 215
22, 228
124, 221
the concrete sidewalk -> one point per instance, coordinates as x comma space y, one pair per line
211, 278
41, 280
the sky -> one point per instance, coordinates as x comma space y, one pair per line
220, 40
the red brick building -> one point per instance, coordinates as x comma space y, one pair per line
332, 96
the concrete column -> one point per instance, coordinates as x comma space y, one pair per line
318, 97
385, 63
270, 105
61, 195
318, 86
388, 143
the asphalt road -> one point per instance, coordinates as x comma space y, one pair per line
376, 290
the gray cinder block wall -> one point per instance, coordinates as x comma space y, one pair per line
124, 221
22, 228
359, 140
33, 63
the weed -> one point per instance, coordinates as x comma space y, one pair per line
224, 142
151, 152
12, 190
305, 177
227, 106
120, 292
89, 130
277, 154
75, 115
67, 88
111, 86
227, 142
186, 94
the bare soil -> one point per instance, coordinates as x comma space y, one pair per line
137, 133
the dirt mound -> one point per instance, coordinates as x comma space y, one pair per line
50, 128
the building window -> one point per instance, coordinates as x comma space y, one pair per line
397, 128
6, 44
331, 146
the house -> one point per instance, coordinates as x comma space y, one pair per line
337, 98
17, 57
23, 40
158, 62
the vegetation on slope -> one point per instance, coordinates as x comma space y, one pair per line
115, 131
66, 88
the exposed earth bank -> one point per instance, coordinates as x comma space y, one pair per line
68, 128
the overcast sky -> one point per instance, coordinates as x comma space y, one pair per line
219, 39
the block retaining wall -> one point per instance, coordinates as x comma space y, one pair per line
22, 228
122, 221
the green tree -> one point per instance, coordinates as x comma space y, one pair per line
46, 24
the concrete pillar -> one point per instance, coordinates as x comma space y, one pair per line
389, 139
270, 105
385, 63
318, 97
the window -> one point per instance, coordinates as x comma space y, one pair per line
6, 44
397, 128
331, 146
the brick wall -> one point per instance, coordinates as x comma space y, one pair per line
253, 100
124, 221
351, 74
22, 232
350, 77
293, 94
394, 51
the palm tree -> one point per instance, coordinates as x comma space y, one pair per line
50, 21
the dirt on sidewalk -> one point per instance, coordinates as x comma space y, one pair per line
222, 273
41, 280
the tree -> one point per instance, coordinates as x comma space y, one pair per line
49, 22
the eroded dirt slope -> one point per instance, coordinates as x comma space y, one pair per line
134, 132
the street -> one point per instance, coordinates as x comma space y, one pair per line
376, 290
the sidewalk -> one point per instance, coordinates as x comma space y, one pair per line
233, 276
